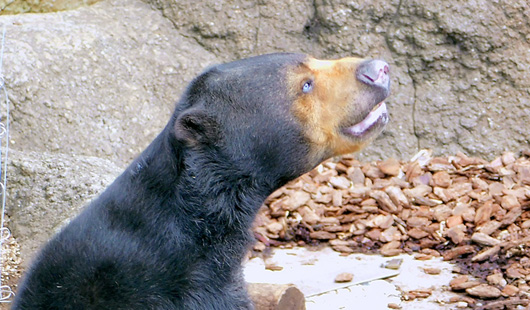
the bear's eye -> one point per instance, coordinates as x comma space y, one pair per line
307, 87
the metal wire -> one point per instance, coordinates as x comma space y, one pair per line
5, 291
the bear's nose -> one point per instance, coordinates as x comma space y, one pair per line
374, 73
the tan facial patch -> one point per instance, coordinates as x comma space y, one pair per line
333, 103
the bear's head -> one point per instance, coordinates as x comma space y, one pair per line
280, 115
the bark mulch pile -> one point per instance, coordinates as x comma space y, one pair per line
467, 210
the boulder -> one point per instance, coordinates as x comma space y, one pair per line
44, 191
97, 81
40, 6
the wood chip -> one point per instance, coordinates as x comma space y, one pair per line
458, 281
456, 234
496, 279
309, 215
442, 212
432, 270
440, 164
393, 264
421, 256
322, 235
383, 221
418, 221
489, 227
486, 254
484, 291
523, 174
420, 190
273, 267
421, 293
430, 252
510, 290
390, 252
515, 272
508, 158
344, 277
275, 227
340, 182
337, 199
484, 239
356, 175
342, 249
496, 189
509, 202
390, 167
397, 196
372, 172
458, 251
454, 220
296, 200
384, 201
483, 213
512, 215
417, 233
464, 285
441, 179
423, 201
391, 234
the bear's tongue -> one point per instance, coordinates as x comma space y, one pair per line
378, 112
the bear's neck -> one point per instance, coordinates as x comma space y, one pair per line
217, 193
200, 188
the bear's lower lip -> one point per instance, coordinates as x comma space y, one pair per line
378, 117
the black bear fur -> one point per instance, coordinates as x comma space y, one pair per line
171, 231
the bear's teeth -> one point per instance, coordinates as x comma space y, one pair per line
373, 117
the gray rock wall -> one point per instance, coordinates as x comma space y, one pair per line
460, 69
46, 190
99, 81
111, 73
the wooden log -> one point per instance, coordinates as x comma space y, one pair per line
276, 296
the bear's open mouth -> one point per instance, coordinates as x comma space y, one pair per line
377, 118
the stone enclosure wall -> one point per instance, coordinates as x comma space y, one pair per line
92, 86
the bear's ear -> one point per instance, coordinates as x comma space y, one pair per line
194, 126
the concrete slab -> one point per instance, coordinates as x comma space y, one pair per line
373, 285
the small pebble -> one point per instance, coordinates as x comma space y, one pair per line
344, 277
484, 291
432, 270
393, 264
273, 267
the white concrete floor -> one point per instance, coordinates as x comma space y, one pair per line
373, 286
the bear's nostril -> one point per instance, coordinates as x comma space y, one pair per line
368, 78
374, 72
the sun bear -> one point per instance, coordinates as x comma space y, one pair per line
172, 230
